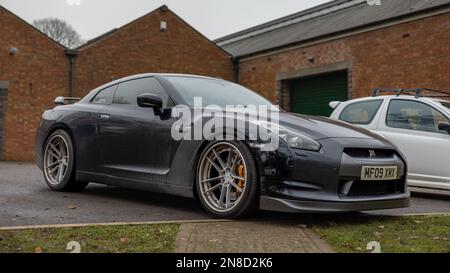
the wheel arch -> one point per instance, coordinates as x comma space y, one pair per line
247, 204
65, 128
59, 126
205, 143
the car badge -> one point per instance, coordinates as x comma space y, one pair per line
372, 154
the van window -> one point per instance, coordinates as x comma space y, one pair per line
361, 112
413, 115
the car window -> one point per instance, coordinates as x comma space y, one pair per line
128, 91
216, 92
361, 112
105, 96
413, 115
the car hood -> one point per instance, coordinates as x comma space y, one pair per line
321, 128
314, 127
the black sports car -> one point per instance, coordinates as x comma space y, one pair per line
122, 134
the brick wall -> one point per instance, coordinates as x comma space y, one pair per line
413, 54
140, 47
3, 93
39, 71
37, 74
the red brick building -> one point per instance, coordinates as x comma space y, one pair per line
344, 49
339, 50
142, 46
34, 69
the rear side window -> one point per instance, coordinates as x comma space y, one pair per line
105, 96
361, 112
413, 115
127, 92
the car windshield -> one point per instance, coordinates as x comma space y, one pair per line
216, 92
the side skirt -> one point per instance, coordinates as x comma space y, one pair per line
134, 184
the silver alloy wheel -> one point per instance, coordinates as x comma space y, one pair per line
222, 177
56, 159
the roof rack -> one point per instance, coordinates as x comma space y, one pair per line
418, 92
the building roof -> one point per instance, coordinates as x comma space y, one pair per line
33, 28
163, 8
115, 30
327, 19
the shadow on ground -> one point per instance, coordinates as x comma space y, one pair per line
26, 200
193, 206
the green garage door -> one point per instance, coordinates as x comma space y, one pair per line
311, 95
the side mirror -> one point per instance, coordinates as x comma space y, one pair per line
334, 104
444, 126
149, 100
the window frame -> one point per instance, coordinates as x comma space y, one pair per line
446, 104
362, 123
170, 101
416, 101
98, 93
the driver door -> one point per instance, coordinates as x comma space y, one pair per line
136, 142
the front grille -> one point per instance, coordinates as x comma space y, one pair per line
369, 153
375, 188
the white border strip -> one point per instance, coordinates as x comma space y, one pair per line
184, 222
114, 224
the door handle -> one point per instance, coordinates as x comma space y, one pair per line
103, 116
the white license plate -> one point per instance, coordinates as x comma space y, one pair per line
378, 173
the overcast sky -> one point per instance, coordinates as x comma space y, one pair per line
213, 18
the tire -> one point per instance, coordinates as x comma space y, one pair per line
59, 163
227, 188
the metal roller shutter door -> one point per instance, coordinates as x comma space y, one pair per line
311, 95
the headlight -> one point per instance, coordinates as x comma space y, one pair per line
293, 138
298, 141
44, 114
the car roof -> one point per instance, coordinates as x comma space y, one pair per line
398, 97
90, 95
441, 100
143, 75
429, 100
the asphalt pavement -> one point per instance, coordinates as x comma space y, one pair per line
26, 200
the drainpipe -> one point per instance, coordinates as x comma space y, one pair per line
72, 55
235, 62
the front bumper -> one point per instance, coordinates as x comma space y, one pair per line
284, 205
39, 148
330, 180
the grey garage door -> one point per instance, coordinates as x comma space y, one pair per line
312, 95
3, 93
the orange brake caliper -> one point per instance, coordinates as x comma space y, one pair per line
240, 170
